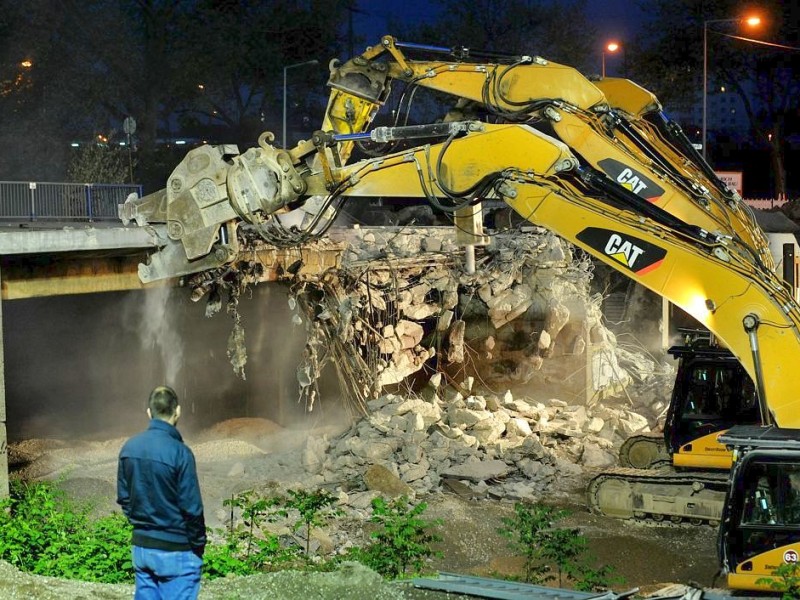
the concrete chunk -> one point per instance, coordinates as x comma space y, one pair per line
479, 471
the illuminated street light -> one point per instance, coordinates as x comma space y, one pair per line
611, 48
752, 21
26, 64
286, 68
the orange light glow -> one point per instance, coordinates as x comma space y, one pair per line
753, 21
612, 46
26, 63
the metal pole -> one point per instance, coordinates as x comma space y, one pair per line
603, 69
469, 256
3, 419
751, 323
705, 82
283, 138
130, 158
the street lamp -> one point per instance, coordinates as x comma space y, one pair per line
611, 47
286, 68
752, 22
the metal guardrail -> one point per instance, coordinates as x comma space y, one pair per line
34, 201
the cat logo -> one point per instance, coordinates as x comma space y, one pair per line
624, 251
632, 253
632, 180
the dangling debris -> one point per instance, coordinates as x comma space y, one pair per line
388, 309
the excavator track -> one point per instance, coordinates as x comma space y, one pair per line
659, 495
644, 451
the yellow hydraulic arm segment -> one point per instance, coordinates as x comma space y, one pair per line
620, 142
639, 116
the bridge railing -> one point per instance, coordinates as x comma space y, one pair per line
35, 200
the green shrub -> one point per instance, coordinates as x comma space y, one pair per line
553, 553
101, 552
314, 509
43, 532
224, 559
249, 547
403, 540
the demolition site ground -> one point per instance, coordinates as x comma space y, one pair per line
245, 454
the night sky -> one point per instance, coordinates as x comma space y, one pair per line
618, 19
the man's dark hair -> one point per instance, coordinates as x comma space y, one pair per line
163, 402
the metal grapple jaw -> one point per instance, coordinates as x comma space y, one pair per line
209, 193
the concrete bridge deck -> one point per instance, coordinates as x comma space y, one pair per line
57, 260
37, 261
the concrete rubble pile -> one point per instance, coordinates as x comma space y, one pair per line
477, 445
401, 302
527, 307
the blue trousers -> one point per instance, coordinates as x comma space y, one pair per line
165, 575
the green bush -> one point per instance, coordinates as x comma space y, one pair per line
249, 547
102, 552
43, 532
314, 509
553, 553
220, 560
402, 541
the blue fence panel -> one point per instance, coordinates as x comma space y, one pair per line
16, 200
32, 201
60, 201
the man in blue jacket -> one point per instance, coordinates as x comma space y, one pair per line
158, 491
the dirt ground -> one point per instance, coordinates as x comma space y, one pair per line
242, 453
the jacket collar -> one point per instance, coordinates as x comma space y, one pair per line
160, 425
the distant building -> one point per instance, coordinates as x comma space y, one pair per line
725, 115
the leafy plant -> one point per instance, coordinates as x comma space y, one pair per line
43, 532
526, 530
100, 162
225, 559
101, 552
564, 547
549, 549
249, 546
403, 539
786, 580
315, 509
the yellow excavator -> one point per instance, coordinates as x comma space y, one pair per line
595, 162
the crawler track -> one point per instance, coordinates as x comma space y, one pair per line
659, 494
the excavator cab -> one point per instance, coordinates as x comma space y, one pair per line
760, 528
712, 393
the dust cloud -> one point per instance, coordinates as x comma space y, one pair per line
157, 330
83, 366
